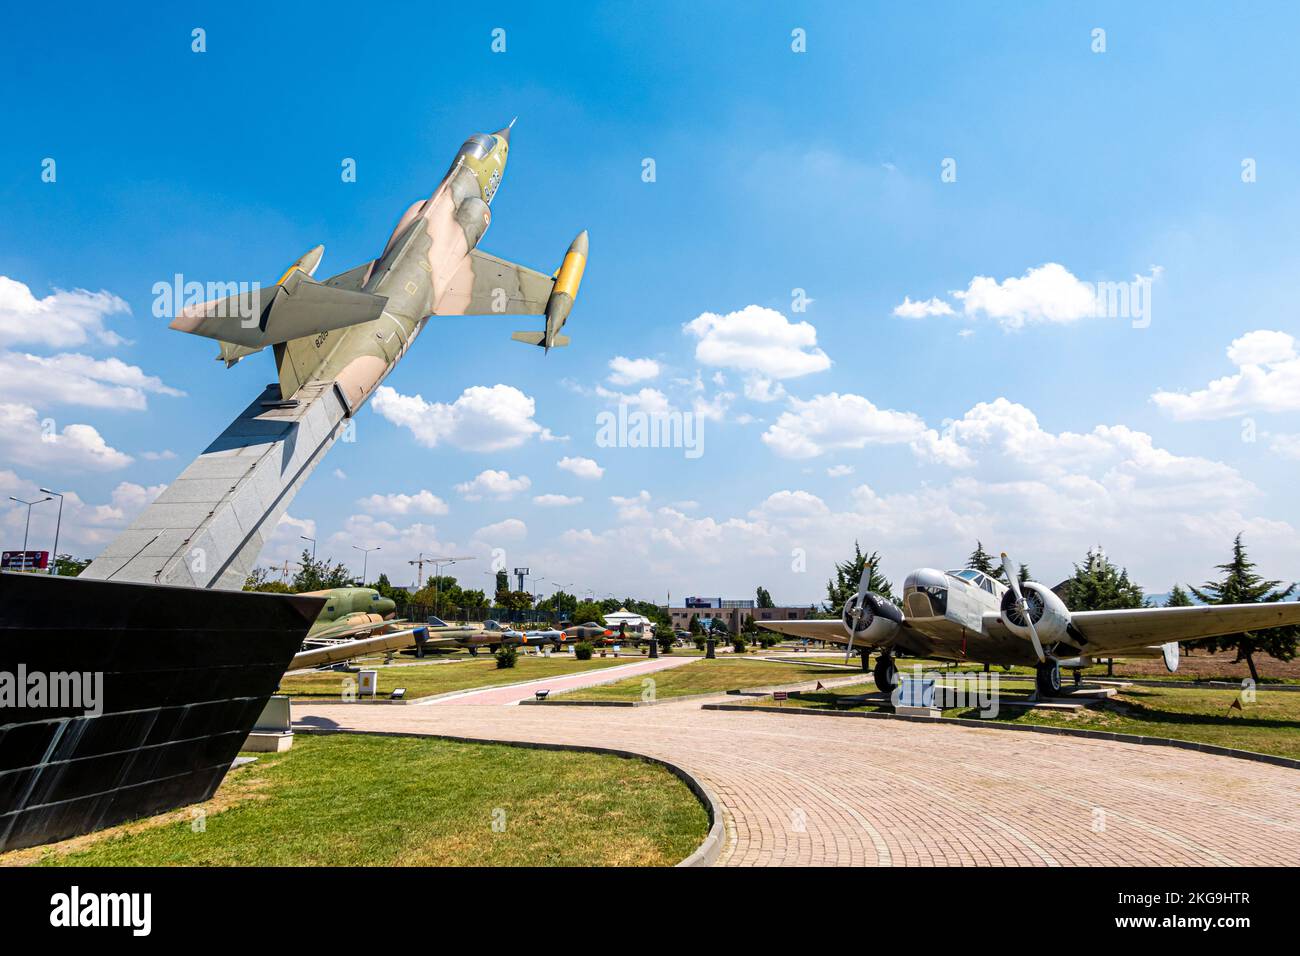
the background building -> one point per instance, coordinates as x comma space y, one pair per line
732, 613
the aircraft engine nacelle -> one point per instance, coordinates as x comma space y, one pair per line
1050, 615
878, 622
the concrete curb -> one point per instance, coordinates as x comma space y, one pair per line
1207, 684
1031, 728
761, 691
706, 854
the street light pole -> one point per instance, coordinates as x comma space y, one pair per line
437, 575
365, 561
28, 527
313, 545
58, 522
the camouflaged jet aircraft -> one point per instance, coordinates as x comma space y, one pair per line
352, 328
969, 616
334, 343
349, 612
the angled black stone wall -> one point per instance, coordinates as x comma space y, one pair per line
186, 672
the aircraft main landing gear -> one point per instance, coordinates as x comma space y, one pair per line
885, 673
1047, 679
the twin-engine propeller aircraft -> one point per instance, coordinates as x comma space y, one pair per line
968, 616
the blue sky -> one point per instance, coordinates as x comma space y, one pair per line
774, 171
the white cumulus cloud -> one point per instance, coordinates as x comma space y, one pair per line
556, 501
826, 423
74, 379
628, 371
1267, 380
26, 438
760, 340
483, 418
511, 529
582, 467
908, 309
493, 483
60, 319
423, 502
1048, 293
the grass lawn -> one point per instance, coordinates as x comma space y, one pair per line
384, 801
1270, 725
706, 676
422, 680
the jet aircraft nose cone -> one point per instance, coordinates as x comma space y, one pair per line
505, 133
386, 605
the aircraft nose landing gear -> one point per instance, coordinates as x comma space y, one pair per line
1047, 679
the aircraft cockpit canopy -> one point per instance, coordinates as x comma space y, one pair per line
478, 146
977, 578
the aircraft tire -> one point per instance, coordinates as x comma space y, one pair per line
1047, 679
886, 674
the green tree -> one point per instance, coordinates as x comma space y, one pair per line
695, 627
748, 626
515, 600
845, 583
1178, 597
1240, 584
1098, 585
764, 599
65, 565
386, 589
561, 604
260, 580
981, 560
503, 582
314, 575
506, 657
585, 612
582, 651
444, 596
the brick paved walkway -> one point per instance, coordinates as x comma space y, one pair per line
804, 790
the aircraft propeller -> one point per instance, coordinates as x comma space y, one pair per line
864, 582
1013, 578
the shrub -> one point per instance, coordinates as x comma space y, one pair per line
699, 642
665, 638
738, 646
582, 651
506, 657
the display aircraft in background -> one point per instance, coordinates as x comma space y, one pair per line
969, 616
350, 613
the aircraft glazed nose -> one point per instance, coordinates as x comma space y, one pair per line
925, 578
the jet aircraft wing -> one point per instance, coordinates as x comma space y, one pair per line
345, 629
831, 629
486, 285
1135, 628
